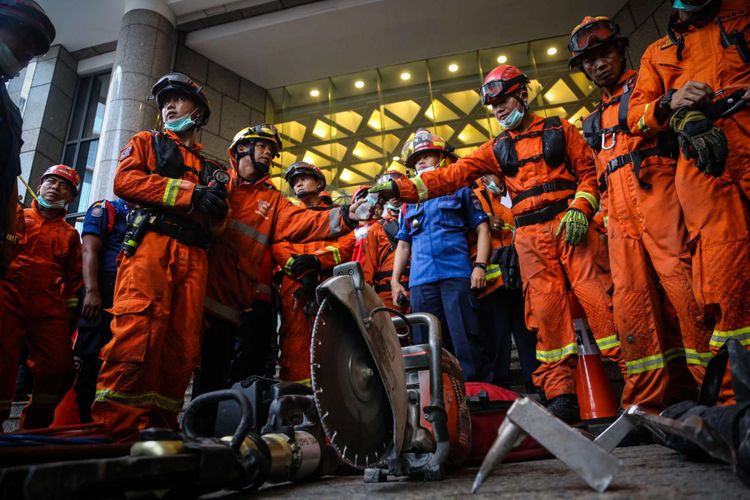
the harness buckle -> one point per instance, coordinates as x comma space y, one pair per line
604, 140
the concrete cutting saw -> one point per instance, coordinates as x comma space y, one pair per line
386, 410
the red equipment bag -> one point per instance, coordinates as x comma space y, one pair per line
488, 405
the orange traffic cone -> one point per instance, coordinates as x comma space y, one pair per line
595, 396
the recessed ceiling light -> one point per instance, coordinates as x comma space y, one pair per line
502, 59
359, 84
453, 68
314, 92
552, 51
396, 158
406, 76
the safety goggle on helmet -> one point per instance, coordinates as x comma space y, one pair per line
503, 80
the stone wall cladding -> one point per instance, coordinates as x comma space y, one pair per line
643, 22
235, 101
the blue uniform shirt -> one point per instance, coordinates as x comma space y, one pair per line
436, 230
110, 228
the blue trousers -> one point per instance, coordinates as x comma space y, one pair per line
457, 308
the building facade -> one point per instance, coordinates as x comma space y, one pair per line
348, 108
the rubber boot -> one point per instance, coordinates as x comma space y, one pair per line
565, 407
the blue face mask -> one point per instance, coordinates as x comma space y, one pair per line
9, 65
680, 5
180, 124
512, 120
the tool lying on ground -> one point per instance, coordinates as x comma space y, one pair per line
291, 448
527, 417
386, 410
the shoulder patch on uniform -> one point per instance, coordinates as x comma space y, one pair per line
97, 211
127, 151
475, 201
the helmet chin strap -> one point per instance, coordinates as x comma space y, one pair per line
260, 168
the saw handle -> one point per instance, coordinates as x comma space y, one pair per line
243, 428
401, 315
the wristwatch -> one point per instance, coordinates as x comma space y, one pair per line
481, 265
13, 238
666, 101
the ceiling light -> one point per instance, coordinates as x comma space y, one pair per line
314, 93
502, 59
552, 51
396, 158
453, 68
406, 76
359, 84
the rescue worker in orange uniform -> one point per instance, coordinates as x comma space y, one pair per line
301, 267
25, 32
551, 178
380, 248
259, 216
161, 281
501, 309
369, 217
39, 299
646, 230
696, 82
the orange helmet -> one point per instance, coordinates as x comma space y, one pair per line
592, 32
67, 173
501, 81
424, 141
360, 193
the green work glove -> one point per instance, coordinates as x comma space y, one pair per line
385, 190
576, 224
700, 140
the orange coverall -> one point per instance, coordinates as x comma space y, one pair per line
499, 238
378, 264
716, 210
38, 298
547, 263
295, 332
158, 302
648, 247
259, 215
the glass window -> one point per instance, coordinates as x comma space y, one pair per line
83, 134
354, 126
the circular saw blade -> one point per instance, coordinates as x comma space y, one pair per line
350, 396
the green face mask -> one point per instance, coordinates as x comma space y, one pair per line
180, 124
10, 67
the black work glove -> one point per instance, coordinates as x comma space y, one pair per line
304, 263
212, 201
700, 140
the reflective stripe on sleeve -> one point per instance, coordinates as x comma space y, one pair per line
169, 198
588, 197
422, 190
334, 220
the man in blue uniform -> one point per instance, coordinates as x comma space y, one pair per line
442, 277
104, 228
25, 32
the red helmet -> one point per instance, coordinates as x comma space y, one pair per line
424, 141
592, 32
180, 82
67, 173
303, 168
503, 80
31, 18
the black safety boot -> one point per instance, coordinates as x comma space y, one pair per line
565, 407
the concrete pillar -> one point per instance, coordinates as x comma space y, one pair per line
145, 51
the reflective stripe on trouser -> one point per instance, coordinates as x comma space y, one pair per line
155, 346
647, 251
295, 334
720, 228
547, 265
42, 323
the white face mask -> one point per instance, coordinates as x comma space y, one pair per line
9, 64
